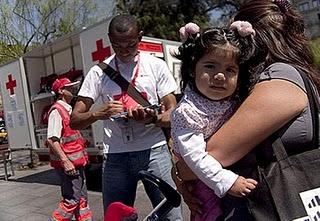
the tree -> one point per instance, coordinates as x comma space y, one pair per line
315, 47
28, 23
163, 19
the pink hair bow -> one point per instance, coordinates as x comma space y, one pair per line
244, 28
188, 30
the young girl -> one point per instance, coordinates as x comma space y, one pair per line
212, 86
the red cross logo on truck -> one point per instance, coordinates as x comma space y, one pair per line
11, 84
101, 53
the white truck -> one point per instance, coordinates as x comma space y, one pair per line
25, 83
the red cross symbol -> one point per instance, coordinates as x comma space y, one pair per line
11, 84
101, 53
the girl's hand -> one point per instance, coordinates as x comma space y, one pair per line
242, 187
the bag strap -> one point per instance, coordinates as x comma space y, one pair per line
124, 84
277, 145
314, 106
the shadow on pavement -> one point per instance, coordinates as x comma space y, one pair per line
50, 177
45, 177
94, 177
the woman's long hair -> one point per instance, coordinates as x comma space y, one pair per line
279, 36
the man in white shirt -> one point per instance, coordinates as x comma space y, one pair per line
135, 142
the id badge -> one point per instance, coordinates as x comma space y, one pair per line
127, 134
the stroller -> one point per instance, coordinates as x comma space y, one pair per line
119, 212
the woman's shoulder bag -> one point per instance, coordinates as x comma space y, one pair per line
289, 187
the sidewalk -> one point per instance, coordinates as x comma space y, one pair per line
32, 194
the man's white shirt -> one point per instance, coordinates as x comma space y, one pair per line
154, 78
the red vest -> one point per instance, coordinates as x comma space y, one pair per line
71, 141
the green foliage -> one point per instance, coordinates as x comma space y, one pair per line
315, 47
27, 23
9, 52
162, 20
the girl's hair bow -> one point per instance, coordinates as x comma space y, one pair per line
244, 28
189, 30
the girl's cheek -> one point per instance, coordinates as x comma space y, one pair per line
205, 76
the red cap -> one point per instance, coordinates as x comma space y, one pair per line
60, 83
116, 211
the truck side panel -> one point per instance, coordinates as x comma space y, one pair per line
17, 115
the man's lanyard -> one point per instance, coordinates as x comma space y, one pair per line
125, 86
133, 82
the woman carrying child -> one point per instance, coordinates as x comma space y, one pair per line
277, 101
212, 89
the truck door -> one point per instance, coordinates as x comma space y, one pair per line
174, 64
16, 106
95, 47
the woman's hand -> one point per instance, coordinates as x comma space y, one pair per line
186, 189
184, 171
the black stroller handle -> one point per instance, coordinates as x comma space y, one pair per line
168, 191
172, 197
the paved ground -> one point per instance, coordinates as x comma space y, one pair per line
32, 194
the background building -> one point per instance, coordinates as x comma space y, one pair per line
310, 9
